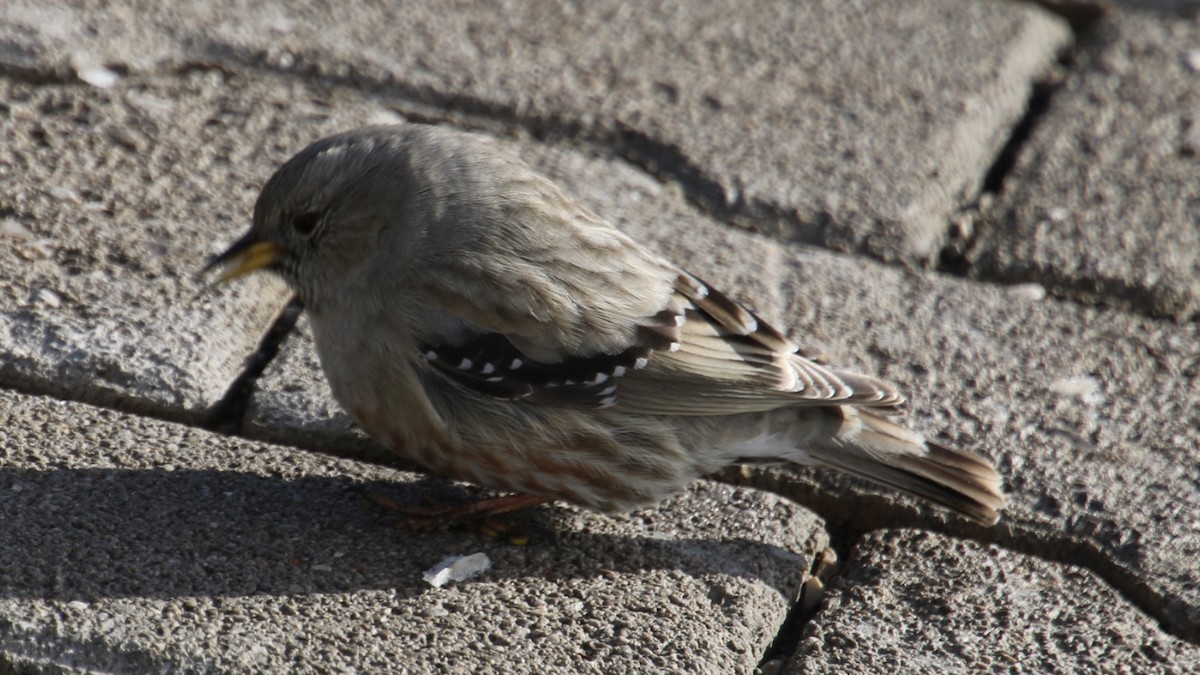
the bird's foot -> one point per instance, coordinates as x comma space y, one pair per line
433, 516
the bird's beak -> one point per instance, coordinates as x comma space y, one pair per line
244, 256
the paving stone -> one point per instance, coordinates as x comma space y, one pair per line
1103, 203
916, 602
135, 545
859, 125
112, 201
1093, 415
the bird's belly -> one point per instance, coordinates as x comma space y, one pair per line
578, 456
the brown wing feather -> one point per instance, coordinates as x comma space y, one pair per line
583, 299
731, 360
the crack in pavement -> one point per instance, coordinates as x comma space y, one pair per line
855, 513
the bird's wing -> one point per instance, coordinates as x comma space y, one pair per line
582, 315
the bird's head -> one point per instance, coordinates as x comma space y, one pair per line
322, 214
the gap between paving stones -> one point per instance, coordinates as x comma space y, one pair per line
955, 257
963, 235
787, 639
849, 516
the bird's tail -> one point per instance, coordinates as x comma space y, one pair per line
883, 452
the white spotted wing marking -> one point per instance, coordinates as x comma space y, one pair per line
490, 364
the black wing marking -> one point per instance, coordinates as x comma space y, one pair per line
491, 365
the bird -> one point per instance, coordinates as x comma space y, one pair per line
484, 326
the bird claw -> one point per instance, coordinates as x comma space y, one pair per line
434, 516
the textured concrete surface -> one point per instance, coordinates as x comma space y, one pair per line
915, 602
135, 137
134, 545
1104, 201
112, 201
853, 124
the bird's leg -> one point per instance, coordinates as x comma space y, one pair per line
434, 516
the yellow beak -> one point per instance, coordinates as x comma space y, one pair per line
244, 256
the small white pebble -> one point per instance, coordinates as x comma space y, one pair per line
1032, 292
78, 604
457, 568
65, 194
385, 116
1058, 214
99, 77
14, 229
280, 24
49, 298
1192, 59
1078, 387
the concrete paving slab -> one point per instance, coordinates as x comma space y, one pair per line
135, 545
855, 125
917, 602
112, 200
1103, 203
1093, 415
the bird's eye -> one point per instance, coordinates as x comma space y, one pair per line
305, 223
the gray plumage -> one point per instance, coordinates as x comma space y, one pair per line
477, 321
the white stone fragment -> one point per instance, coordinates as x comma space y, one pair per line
1085, 388
1192, 59
1032, 292
14, 229
49, 298
457, 568
65, 194
1058, 214
91, 71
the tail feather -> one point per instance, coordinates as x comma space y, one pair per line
886, 453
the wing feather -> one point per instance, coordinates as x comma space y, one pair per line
596, 320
